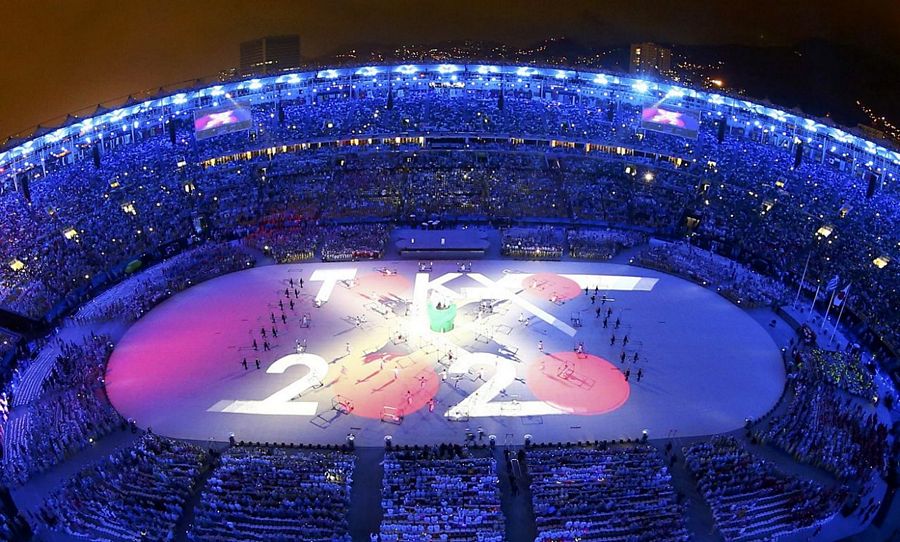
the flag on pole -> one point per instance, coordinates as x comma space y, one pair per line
841, 296
833, 284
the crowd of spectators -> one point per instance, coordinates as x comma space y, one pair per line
756, 220
287, 237
136, 494
79, 364
844, 369
602, 244
743, 195
750, 498
830, 430
618, 492
731, 279
441, 493
352, 242
537, 243
66, 407
133, 297
276, 494
54, 428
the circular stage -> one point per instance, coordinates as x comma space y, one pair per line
353, 352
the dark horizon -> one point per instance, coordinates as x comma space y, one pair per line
127, 48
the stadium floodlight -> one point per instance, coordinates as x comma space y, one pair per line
601, 79
406, 69
525, 71
485, 70
327, 74
675, 92
448, 68
367, 71
255, 84
561, 74
641, 86
217, 90
179, 99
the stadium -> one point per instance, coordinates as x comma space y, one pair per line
448, 302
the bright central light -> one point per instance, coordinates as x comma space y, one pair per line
407, 69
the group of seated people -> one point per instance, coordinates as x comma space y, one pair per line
828, 429
441, 493
731, 279
79, 364
136, 494
287, 237
54, 428
61, 404
275, 494
538, 243
609, 492
602, 244
352, 242
750, 498
844, 369
135, 296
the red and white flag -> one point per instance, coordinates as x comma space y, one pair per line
841, 296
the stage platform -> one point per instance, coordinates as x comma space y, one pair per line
527, 355
442, 243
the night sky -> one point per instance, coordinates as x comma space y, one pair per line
60, 56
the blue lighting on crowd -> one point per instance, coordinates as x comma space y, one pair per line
185, 101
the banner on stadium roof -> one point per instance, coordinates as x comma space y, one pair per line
671, 120
221, 120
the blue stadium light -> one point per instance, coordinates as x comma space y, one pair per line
255, 84
367, 71
328, 74
525, 71
448, 68
217, 91
485, 70
179, 99
561, 74
675, 92
641, 86
406, 69
601, 79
